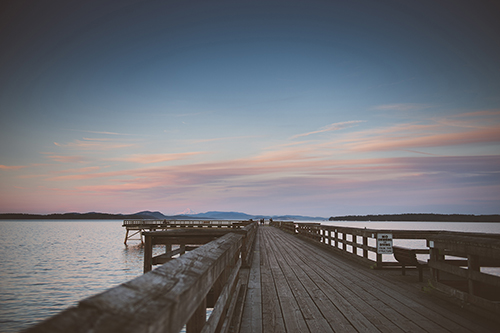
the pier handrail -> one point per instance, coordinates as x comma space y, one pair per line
187, 222
136, 227
354, 242
169, 297
456, 263
467, 283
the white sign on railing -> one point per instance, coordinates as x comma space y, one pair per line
384, 243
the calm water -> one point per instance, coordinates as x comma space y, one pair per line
47, 266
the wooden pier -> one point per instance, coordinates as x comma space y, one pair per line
138, 227
263, 279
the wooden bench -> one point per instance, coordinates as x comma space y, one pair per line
408, 257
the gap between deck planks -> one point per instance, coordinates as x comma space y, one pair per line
297, 287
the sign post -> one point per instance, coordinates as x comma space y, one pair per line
384, 243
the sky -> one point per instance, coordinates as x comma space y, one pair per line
319, 108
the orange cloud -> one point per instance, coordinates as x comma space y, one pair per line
66, 159
12, 167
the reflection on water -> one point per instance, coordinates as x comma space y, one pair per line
48, 266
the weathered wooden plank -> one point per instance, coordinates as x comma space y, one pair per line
272, 316
355, 310
465, 273
222, 301
430, 312
197, 321
165, 257
252, 313
396, 312
312, 315
292, 314
487, 247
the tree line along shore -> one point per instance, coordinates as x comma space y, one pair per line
420, 217
154, 215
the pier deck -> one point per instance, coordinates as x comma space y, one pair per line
263, 279
295, 286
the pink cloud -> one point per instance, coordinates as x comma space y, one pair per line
157, 158
479, 113
222, 139
418, 140
370, 165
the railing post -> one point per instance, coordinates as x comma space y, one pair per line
473, 266
335, 244
365, 245
148, 253
354, 243
198, 319
379, 261
435, 256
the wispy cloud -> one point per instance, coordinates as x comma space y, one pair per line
329, 128
494, 112
66, 158
95, 144
477, 119
12, 167
99, 132
82, 170
157, 158
377, 164
226, 138
413, 137
403, 107
190, 114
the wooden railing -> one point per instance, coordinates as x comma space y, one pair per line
129, 223
456, 258
136, 227
170, 297
356, 243
456, 263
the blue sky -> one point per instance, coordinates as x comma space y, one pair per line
268, 107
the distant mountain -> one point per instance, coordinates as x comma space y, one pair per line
223, 215
152, 215
243, 216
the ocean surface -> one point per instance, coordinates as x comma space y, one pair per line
49, 265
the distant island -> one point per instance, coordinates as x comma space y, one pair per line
420, 217
212, 215
216, 215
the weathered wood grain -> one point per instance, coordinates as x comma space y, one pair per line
160, 301
366, 302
